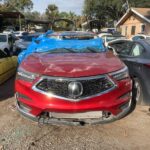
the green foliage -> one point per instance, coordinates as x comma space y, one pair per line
35, 15
20, 5
110, 10
52, 12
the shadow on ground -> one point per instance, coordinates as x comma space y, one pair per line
7, 89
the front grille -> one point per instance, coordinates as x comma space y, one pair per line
90, 86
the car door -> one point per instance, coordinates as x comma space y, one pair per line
132, 59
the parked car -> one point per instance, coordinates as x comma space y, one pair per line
136, 55
70, 35
6, 42
103, 35
24, 41
109, 38
20, 34
9, 30
73, 82
43, 41
140, 36
8, 66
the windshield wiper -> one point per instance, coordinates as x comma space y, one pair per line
70, 50
93, 50
62, 50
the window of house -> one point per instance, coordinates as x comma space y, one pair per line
142, 28
126, 31
133, 30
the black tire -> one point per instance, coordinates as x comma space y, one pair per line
138, 91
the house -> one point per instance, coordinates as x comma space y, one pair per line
135, 20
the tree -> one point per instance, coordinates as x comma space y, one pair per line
63, 15
19, 5
109, 10
32, 15
52, 12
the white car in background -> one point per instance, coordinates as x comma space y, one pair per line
109, 38
20, 33
6, 42
103, 35
140, 36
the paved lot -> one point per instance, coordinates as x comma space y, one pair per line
17, 133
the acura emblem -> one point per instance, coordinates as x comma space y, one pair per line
75, 89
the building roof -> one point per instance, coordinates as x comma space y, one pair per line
38, 21
11, 15
143, 13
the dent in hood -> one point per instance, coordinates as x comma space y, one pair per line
72, 65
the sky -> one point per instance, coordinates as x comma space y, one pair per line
63, 5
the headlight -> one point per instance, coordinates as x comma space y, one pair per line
25, 75
121, 74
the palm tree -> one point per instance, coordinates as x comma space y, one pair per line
52, 12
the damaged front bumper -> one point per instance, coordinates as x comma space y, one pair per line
105, 117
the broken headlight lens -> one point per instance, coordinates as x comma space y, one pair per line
121, 74
25, 75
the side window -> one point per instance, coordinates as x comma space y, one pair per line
2, 54
126, 48
123, 48
137, 50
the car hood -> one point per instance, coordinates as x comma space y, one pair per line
72, 65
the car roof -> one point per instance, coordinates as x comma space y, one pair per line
33, 34
144, 41
4, 33
73, 33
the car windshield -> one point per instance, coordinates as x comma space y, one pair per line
3, 38
71, 50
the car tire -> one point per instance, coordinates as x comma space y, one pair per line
137, 90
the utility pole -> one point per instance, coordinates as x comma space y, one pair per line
127, 2
19, 18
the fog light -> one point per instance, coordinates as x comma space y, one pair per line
24, 106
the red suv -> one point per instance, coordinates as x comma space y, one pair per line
81, 86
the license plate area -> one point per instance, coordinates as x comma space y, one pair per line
85, 115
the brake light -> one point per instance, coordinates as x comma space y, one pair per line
147, 65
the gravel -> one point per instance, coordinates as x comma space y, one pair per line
18, 133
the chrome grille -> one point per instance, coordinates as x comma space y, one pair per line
58, 87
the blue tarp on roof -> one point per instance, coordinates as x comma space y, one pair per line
47, 44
